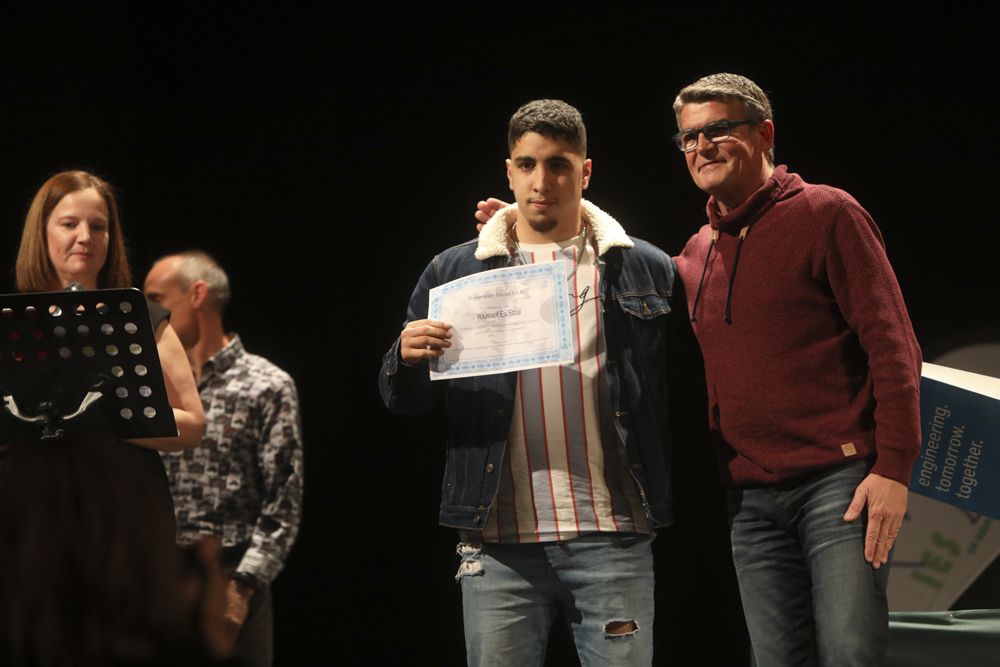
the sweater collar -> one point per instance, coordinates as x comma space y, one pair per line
740, 218
755, 205
605, 232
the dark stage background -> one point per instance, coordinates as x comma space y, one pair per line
324, 155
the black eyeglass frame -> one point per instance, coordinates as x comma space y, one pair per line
680, 141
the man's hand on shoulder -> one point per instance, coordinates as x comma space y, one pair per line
886, 500
486, 210
423, 339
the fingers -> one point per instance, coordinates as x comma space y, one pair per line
875, 539
854, 510
886, 510
423, 339
893, 534
857, 503
491, 204
886, 501
486, 209
885, 541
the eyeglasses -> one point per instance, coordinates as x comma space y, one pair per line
687, 140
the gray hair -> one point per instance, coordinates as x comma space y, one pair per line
194, 265
725, 87
553, 119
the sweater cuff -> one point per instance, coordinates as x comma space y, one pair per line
895, 464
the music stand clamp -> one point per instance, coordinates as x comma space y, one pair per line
62, 352
50, 428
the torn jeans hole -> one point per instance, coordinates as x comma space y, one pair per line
471, 565
620, 629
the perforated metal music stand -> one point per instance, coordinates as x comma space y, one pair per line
63, 352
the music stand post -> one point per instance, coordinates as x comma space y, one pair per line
62, 352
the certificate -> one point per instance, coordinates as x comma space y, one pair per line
504, 320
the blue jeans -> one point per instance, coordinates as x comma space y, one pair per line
602, 584
809, 596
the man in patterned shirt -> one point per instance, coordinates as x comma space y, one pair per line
244, 484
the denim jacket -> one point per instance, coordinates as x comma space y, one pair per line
640, 324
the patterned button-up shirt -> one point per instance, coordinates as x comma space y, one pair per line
244, 483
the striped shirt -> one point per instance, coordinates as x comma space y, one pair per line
565, 471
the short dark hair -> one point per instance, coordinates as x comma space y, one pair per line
725, 87
554, 119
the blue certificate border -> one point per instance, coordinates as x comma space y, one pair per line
560, 353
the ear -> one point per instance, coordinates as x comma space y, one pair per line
198, 293
510, 182
588, 169
766, 129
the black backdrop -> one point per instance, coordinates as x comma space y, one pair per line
324, 155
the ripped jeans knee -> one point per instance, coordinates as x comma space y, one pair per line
620, 629
471, 564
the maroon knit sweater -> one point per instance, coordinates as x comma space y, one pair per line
817, 364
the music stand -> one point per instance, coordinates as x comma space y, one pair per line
62, 352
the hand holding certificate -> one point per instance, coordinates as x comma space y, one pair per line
503, 320
423, 339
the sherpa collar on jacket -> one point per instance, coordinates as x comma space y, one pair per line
604, 231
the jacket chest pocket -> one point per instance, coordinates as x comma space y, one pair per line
640, 327
643, 306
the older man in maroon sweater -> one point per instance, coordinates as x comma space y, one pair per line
813, 378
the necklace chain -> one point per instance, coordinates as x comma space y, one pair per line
576, 262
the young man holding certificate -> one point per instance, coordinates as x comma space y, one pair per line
556, 476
